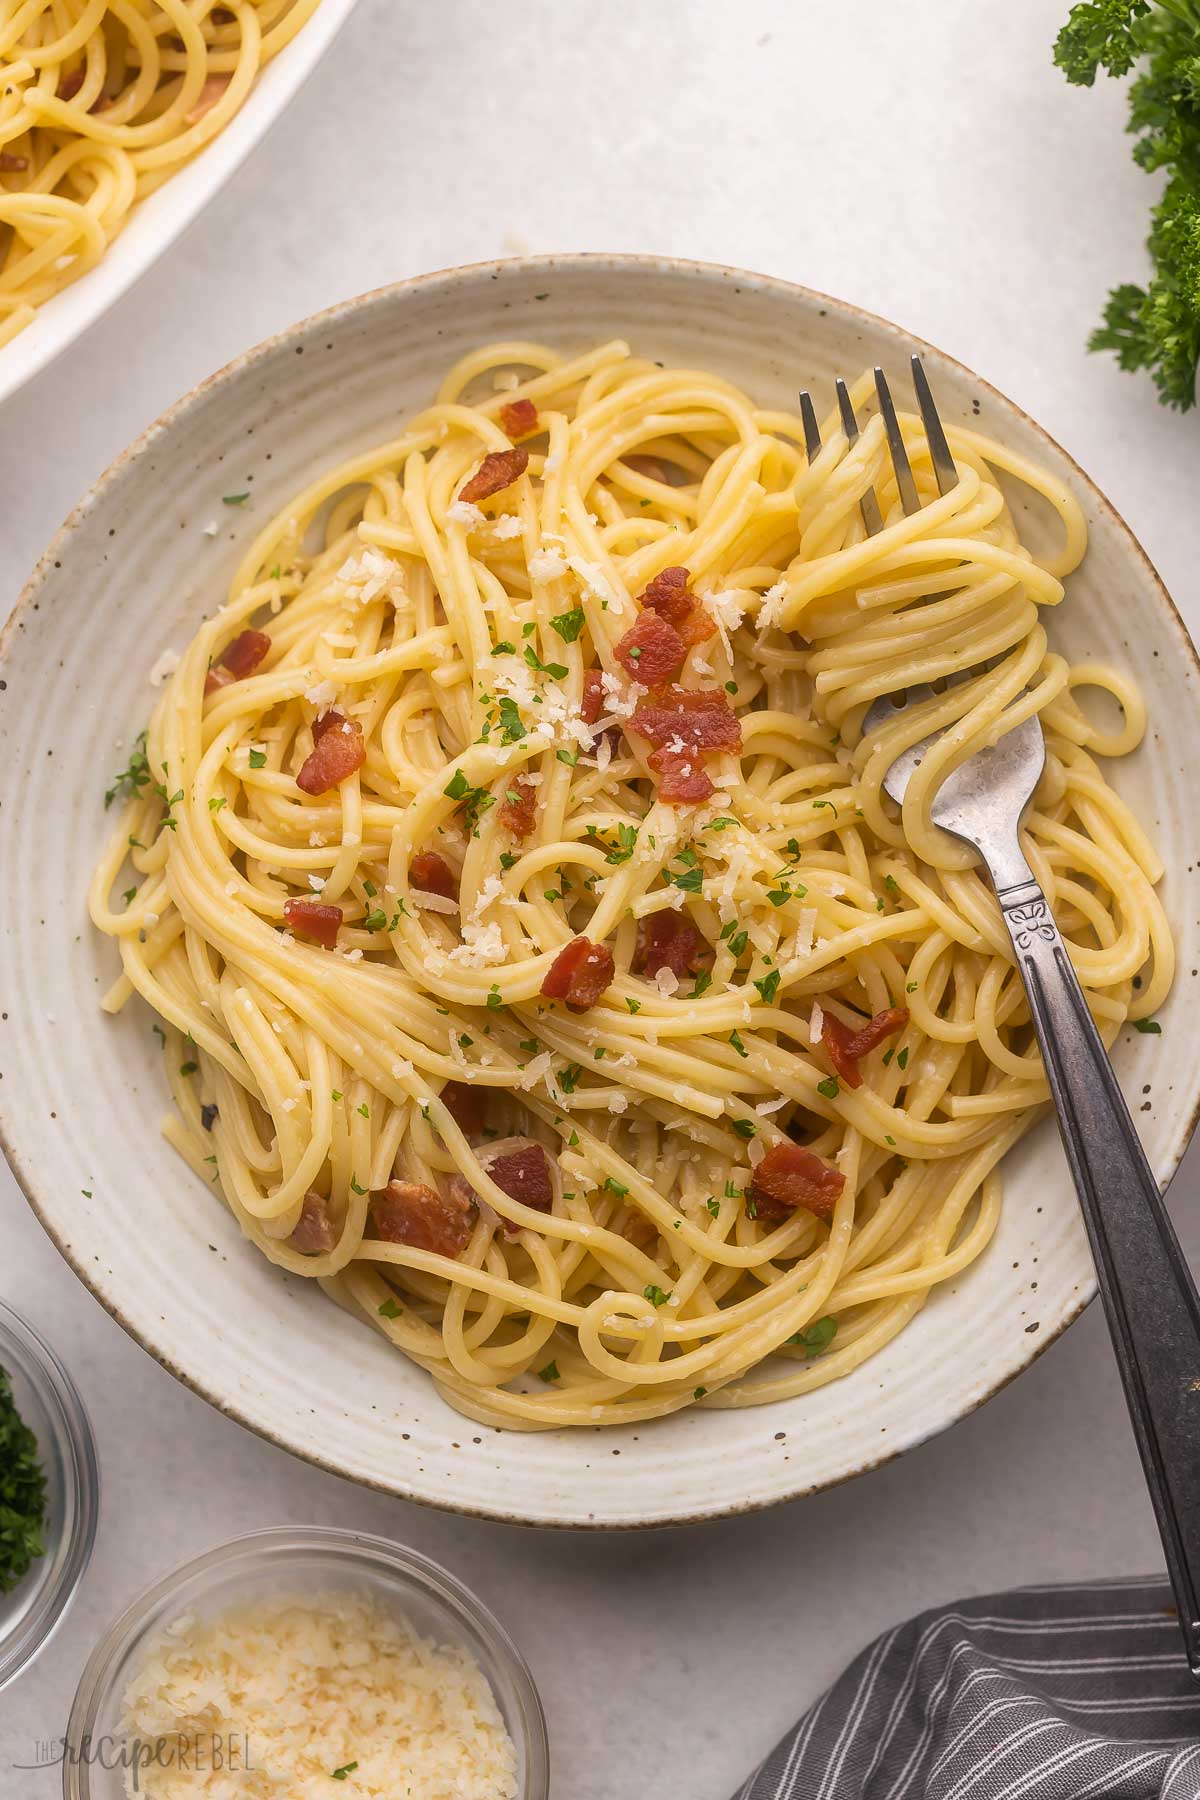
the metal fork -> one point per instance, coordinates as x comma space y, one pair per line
1149, 1297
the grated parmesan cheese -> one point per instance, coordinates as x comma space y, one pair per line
166, 665
297, 1689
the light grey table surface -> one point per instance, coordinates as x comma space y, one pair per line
929, 163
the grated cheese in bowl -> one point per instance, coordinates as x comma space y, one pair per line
302, 1691
307, 1663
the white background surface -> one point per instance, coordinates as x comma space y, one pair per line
928, 162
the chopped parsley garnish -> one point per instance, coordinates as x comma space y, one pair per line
549, 1373
235, 499
736, 1041
216, 803
188, 1068
568, 624
1148, 1027
389, 1310
354, 1185
22, 1492
626, 842
258, 759
829, 803
817, 1337
902, 1058
745, 1128
556, 671
505, 649
911, 988
634, 1006
568, 1078
719, 824
892, 885
703, 983
511, 724
570, 757
129, 894
768, 986
829, 1087
713, 1206
507, 859
346, 1769
655, 1295
495, 999
134, 776
699, 1393
376, 919
615, 1187
474, 800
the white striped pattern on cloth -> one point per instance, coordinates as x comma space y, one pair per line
1049, 1693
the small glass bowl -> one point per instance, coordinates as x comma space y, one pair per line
46, 1399
296, 1559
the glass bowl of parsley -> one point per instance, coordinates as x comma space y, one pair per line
49, 1493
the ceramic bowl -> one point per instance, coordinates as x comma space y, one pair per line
157, 221
82, 1094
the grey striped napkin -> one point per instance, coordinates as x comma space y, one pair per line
1058, 1693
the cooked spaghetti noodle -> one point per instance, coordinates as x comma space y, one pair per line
100, 102
352, 934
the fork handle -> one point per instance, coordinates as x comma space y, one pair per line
1149, 1296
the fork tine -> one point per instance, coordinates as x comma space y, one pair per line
812, 431
868, 505
939, 449
909, 498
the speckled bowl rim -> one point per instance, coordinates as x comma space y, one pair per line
548, 266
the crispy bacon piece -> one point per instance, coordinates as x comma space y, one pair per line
519, 807
465, 1105
207, 98
338, 749
844, 1047
498, 470
592, 704
408, 1212
681, 781
670, 597
314, 1234
12, 164
790, 1176
237, 660
579, 974
651, 651
314, 920
519, 418
524, 1175
686, 726
684, 718
433, 875
666, 940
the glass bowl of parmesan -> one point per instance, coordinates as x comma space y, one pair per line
292, 1659
49, 1493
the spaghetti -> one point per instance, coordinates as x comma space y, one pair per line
599, 1104
100, 102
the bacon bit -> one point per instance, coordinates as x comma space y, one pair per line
207, 98
670, 597
314, 920
408, 1212
666, 940
592, 703
466, 1107
524, 1175
701, 718
790, 1176
519, 418
70, 84
579, 974
652, 651
844, 1047
433, 875
11, 164
519, 808
681, 783
338, 749
498, 470
314, 1234
237, 660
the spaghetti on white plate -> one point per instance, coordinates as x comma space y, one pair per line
100, 102
541, 966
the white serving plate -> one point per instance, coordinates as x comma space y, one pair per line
157, 221
82, 1095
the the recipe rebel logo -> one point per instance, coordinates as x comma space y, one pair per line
226, 1753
